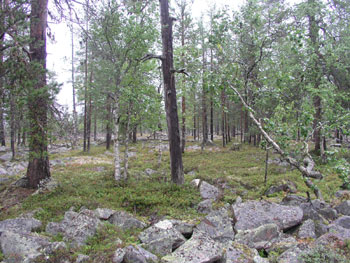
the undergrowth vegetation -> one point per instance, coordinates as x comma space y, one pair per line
86, 180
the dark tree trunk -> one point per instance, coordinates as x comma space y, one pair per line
194, 122
223, 123
2, 120
183, 133
12, 125
316, 75
204, 104
95, 124
109, 123
38, 167
211, 119
134, 134
177, 175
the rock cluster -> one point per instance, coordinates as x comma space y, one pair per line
242, 232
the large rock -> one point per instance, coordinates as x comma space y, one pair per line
205, 207
307, 229
239, 253
344, 208
162, 238
343, 221
218, 225
20, 225
261, 237
293, 254
186, 229
125, 221
26, 247
199, 249
118, 256
138, 255
287, 186
104, 213
6, 157
75, 227
318, 210
253, 214
293, 200
209, 191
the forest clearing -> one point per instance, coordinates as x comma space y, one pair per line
196, 131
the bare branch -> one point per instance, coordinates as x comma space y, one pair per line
151, 56
182, 70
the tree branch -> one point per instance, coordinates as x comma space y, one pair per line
182, 70
151, 56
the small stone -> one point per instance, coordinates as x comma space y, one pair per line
195, 182
104, 213
125, 221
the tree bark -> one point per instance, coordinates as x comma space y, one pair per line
109, 121
12, 125
38, 167
177, 175
2, 120
316, 76
75, 115
117, 170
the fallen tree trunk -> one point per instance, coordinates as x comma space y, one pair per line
306, 167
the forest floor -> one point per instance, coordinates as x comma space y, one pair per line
86, 180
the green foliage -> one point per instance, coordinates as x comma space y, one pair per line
321, 254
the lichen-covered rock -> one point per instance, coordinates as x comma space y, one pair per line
82, 259
253, 214
75, 227
125, 221
261, 237
343, 221
118, 256
218, 225
318, 210
195, 182
342, 194
104, 213
20, 225
293, 254
239, 253
25, 247
138, 255
282, 244
344, 208
186, 229
205, 207
293, 200
287, 186
208, 191
199, 249
307, 229
162, 238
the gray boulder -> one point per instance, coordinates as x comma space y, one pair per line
162, 238
3, 171
343, 221
195, 182
282, 244
24, 225
239, 253
118, 256
138, 255
293, 200
25, 247
344, 208
261, 237
287, 186
82, 259
293, 254
75, 227
307, 229
6, 157
125, 221
253, 214
209, 191
104, 213
186, 229
205, 207
199, 249
218, 225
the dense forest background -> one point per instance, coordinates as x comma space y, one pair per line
269, 69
